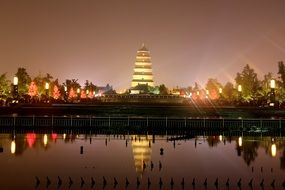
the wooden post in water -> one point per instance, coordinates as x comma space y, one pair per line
166, 121
52, 120
128, 121
185, 122
14, 120
90, 124
71, 120
109, 121
33, 120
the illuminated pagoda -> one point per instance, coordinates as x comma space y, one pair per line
143, 69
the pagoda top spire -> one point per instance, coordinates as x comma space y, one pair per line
143, 48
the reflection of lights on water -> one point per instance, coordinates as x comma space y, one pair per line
31, 139
273, 150
54, 136
45, 139
64, 136
220, 137
240, 141
13, 147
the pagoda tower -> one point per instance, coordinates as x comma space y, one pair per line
143, 69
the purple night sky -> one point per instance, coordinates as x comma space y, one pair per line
190, 41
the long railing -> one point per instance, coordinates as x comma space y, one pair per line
143, 122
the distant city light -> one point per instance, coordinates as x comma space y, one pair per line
207, 92
87, 91
220, 90
239, 88
198, 93
78, 90
240, 141
273, 150
15, 80
272, 83
65, 88
13, 147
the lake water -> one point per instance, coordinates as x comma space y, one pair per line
26, 156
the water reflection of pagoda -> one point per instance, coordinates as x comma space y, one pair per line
141, 151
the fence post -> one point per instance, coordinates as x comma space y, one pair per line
147, 121
52, 120
90, 124
166, 121
185, 122
71, 120
128, 121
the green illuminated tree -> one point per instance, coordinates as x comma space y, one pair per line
281, 72
213, 86
4, 85
162, 89
229, 92
249, 82
24, 81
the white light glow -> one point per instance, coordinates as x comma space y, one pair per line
273, 150
47, 86
45, 139
239, 88
272, 83
240, 141
13, 147
15, 80
220, 90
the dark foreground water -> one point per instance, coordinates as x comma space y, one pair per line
26, 156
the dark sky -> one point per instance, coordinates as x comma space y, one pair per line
97, 40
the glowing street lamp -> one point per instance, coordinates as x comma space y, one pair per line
220, 90
15, 80
272, 93
272, 84
239, 92
15, 86
239, 88
47, 88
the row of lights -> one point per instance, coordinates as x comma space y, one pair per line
45, 141
16, 81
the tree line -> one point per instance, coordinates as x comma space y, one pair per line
254, 91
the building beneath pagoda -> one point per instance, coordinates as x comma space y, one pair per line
143, 69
